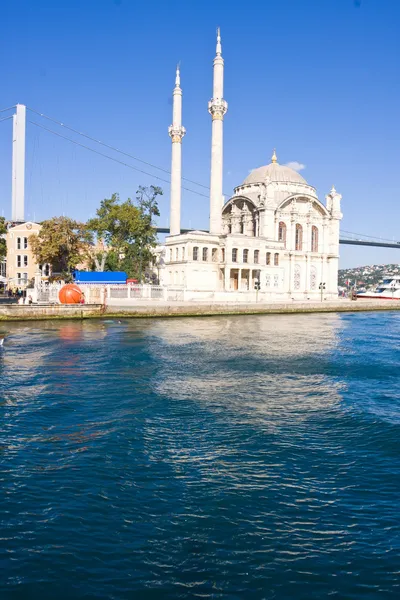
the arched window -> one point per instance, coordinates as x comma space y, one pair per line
268, 258
177, 254
234, 254
205, 253
256, 255
170, 255
223, 254
314, 239
282, 233
214, 254
195, 253
299, 237
276, 260
183, 253
245, 255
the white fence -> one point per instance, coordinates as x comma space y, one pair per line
111, 294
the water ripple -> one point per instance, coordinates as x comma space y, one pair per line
233, 457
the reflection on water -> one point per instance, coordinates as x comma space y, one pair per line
230, 457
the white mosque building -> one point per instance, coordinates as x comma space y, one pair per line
272, 240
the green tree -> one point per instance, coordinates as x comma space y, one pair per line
63, 243
127, 232
3, 243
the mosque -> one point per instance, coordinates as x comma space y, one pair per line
272, 240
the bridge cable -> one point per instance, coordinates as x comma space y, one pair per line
111, 158
113, 148
6, 118
6, 109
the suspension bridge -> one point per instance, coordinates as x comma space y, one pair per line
21, 114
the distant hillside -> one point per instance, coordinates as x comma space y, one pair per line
368, 276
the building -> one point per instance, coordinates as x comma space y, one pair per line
272, 239
21, 264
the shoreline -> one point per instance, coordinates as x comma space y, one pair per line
12, 312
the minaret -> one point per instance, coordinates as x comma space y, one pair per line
176, 133
217, 108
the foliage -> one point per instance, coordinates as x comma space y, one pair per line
3, 244
126, 231
62, 242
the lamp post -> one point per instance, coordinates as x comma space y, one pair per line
322, 287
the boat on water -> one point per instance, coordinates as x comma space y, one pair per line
389, 289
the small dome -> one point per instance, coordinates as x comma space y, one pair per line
275, 172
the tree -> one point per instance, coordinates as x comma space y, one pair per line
62, 242
126, 231
3, 243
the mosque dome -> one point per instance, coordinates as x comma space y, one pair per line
275, 172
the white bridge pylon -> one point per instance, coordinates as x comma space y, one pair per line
18, 164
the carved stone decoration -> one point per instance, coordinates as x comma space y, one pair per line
176, 133
313, 277
297, 277
217, 107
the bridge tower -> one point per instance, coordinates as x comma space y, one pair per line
18, 164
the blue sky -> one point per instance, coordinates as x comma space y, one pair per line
317, 79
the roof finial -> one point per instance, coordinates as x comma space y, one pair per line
219, 47
333, 190
178, 75
274, 158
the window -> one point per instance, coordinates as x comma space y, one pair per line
18, 243
268, 281
245, 255
25, 243
205, 254
19, 261
299, 237
170, 255
25, 261
195, 253
25, 277
256, 256
234, 254
223, 254
268, 258
176, 253
214, 255
230, 228
313, 277
276, 260
19, 277
276, 280
282, 232
314, 239
183, 253
241, 227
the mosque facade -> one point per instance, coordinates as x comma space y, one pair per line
272, 240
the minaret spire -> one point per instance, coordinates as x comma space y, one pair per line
176, 132
217, 108
219, 47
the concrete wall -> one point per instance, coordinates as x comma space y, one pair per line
10, 312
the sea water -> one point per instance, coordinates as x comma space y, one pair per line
230, 457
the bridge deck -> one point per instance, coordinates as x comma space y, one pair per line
341, 240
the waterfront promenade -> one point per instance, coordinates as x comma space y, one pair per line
159, 308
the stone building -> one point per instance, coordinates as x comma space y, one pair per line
21, 264
273, 233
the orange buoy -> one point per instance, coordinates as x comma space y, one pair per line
70, 294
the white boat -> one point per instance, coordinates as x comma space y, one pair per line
389, 289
